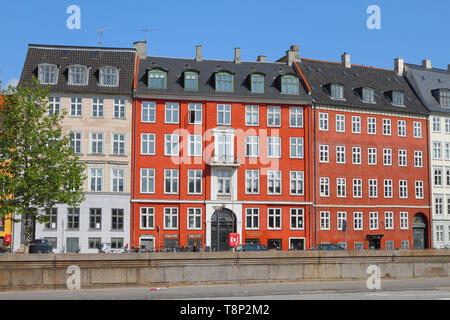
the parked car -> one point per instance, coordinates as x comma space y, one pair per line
106, 248
40, 246
328, 246
250, 247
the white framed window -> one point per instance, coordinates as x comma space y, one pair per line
373, 221
251, 219
148, 112
371, 125
76, 107
447, 151
119, 108
387, 127
419, 190
172, 113
171, 181
273, 116
148, 142
324, 152
324, 187
439, 233
195, 145
447, 177
373, 188
437, 150
109, 76
118, 180
404, 220
418, 130
436, 124
96, 179
323, 121
340, 123
297, 183
78, 75
252, 181
418, 159
224, 114
341, 187
325, 220
96, 143
252, 115
194, 218
147, 218
274, 147
356, 124
75, 141
195, 181
274, 182
97, 107
54, 106
147, 181
372, 156
402, 128
296, 148
297, 219
252, 147
387, 157
171, 145
402, 158
356, 155
388, 188
341, 220
170, 218
274, 219
296, 117
340, 154
437, 173
357, 188
389, 220
403, 189
337, 91
118, 144
223, 145
439, 204
195, 113
447, 125
48, 74
224, 182
358, 221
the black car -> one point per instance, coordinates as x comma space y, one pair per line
328, 246
40, 246
251, 247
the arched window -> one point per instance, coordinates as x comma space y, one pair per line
109, 76
48, 74
157, 79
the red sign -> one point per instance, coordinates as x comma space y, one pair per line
234, 239
7, 239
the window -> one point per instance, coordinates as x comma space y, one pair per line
341, 220
390, 245
324, 187
257, 83
356, 124
447, 151
357, 220
118, 144
447, 177
95, 243
387, 127
75, 141
439, 233
194, 218
195, 145
368, 95
418, 162
337, 91
357, 188
170, 218
274, 182
273, 116
252, 181
373, 188
195, 181
54, 106
171, 181
404, 221
419, 190
388, 188
117, 219
48, 74
274, 219
75, 107
96, 179
447, 125
191, 81
223, 146
297, 219
387, 157
324, 154
403, 189
252, 115
224, 82
195, 113
418, 130
324, 220
148, 112
398, 98
252, 219
109, 77
389, 220
157, 79
52, 218
147, 180
172, 112
96, 143
78, 75
402, 158
340, 123
147, 218
372, 156
341, 187
356, 155
252, 147
358, 246
148, 141
118, 180
73, 218
297, 183
274, 147
437, 177
119, 108
296, 148
224, 114
340, 155
116, 243
171, 145
224, 182
437, 151
289, 85
439, 205
444, 98
373, 220
371, 126
401, 128
95, 219
296, 117
323, 121
436, 124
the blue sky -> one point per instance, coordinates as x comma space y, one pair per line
414, 30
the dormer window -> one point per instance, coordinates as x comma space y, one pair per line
337, 91
48, 74
109, 76
157, 79
78, 75
368, 95
257, 83
289, 85
443, 97
190, 80
224, 82
398, 98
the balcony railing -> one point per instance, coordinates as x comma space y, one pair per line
224, 161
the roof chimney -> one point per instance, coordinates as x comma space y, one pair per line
345, 58
237, 55
426, 64
293, 54
141, 49
399, 65
264, 58
198, 53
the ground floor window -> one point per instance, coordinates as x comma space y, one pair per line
405, 244
390, 245
53, 242
358, 246
296, 244
116, 243
170, 244
95, 243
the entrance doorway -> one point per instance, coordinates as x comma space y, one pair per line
274, 244
223, 222
147, 243
72, 245
296, 244
374, 241
420, 235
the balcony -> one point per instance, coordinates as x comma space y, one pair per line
224, 161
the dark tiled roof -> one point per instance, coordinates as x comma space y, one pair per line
121, 58
425, 81
207, 69
321, 73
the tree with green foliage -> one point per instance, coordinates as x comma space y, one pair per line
38, 168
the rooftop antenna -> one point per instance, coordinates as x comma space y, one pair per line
100, 32
147, 31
